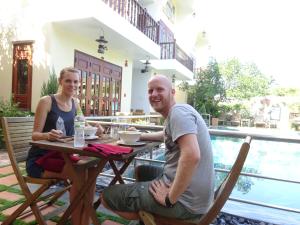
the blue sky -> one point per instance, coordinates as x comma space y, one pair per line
265, 32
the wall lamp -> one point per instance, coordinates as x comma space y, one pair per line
102, 43
146, 69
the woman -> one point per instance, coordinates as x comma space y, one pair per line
54, 118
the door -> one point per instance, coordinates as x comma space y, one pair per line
100, 86
82, 63
22, 74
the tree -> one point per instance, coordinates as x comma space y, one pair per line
51, 86
281, 91
207, 91
243, 81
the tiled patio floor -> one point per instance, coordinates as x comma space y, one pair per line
261, 213
9, 196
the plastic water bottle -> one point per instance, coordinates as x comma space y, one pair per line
79, 124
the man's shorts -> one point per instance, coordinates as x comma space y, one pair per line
136, 196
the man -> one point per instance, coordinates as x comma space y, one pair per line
185, 188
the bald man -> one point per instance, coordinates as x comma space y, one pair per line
183, 188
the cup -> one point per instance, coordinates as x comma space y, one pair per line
123, 127
79, 137
114, 131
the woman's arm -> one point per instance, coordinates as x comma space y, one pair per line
40, 116
100, 129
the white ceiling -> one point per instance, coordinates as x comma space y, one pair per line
90, 29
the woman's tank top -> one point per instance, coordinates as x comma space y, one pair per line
56, 119
60, 120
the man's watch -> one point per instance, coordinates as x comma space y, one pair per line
167, 202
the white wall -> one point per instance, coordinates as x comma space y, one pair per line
180, 96
60, 59
139, 91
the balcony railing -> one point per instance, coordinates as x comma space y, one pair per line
136, 15
170, 50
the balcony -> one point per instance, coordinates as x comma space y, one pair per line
138, 16
133, 12
170, 50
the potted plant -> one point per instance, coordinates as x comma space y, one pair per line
213, 109
10, 109
215, 112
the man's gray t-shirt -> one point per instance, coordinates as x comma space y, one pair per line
184, 119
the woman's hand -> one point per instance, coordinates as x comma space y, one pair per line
53, 135
100, 130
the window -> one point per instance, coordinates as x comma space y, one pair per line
169, 10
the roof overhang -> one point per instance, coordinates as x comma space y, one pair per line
171, 67
118, 41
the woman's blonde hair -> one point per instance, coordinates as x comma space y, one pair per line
67, 69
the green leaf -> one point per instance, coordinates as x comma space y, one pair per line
51, 86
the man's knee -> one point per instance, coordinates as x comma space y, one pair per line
147, 172
103, 202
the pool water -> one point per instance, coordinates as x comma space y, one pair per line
266, 158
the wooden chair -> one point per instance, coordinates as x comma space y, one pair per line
221, 195
17, 134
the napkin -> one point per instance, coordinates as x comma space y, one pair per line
53, 161
108, 149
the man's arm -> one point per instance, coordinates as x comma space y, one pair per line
155, 136
188, 162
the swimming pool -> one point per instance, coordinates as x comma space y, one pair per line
266, 158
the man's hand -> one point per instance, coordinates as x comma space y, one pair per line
131, 129
159, 191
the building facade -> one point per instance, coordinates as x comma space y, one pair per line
38, 37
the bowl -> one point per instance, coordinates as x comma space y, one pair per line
129, 136
90, 131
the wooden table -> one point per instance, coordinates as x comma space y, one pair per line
93, 159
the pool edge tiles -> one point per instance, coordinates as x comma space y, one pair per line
269, 215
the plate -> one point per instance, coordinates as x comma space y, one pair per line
91, 137
120, 142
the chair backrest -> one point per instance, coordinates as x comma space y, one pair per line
225, 189
221, 195
17, 133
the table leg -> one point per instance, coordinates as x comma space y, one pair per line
82, 187
118, 175
117, 172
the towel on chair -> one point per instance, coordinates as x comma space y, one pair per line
54, 162
108, 149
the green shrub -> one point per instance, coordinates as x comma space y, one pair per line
10, 109
51, 86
